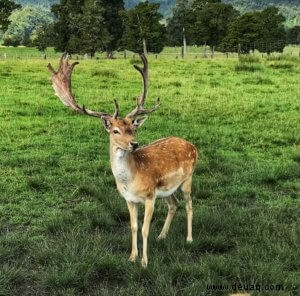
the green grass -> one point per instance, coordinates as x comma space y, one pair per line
64, 228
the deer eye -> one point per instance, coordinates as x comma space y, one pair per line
115, 131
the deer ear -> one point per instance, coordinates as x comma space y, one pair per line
139, 121
106, 122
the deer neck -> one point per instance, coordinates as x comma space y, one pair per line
121, 164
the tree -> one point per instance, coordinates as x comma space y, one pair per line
293, 35
273, 34
165, 5
211, 20
243, 33
94, 35
263, 31
6, 8
180, 20
25, 23
44, 37
80, 27
143, 28
113, 23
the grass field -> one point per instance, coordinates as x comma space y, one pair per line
64, 228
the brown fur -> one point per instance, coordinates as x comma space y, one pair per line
154, 170
153, 163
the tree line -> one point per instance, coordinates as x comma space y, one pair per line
88, 26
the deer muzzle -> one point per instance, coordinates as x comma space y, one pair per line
134, 145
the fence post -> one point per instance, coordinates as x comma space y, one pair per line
204, 51
212, 51
239, 49
184, 44
125, 54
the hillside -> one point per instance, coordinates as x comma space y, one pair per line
36, 2
290, 8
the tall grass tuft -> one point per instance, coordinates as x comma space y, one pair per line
245, 67
248, 63
283, 65
249, 59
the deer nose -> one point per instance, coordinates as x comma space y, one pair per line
134, 144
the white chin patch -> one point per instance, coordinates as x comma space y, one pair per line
120, 152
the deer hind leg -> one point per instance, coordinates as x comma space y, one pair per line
149, 208
172, 206
133, 211
186, 190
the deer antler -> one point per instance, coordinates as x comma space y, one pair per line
61, 82
139, 109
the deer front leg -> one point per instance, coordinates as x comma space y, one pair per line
133, 211
149, 208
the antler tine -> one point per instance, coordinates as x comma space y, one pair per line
144, 73
61, 83
139, 109
117, 111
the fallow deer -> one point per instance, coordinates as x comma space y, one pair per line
141, 174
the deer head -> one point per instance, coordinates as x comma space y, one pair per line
121, 130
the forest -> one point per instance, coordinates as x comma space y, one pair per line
289, 8
87, 27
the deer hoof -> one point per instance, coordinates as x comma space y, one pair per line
144, 263
189, 240
132, 257
162, 236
